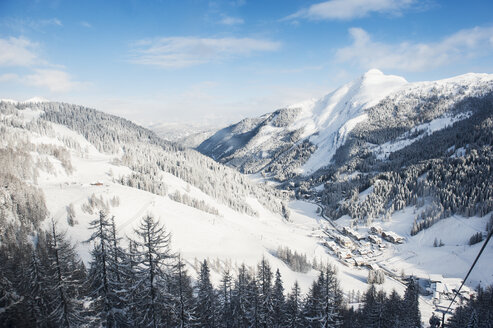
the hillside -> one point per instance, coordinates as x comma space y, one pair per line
77, 161
414, 159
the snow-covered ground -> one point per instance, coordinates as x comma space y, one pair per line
232, 238
452, 260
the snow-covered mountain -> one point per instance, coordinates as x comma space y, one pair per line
76, 161
413, 158
189, 135
67, 162
303, 138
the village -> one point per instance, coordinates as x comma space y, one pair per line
366, 251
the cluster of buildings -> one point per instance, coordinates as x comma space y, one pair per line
355, 248
442, 289
389, 236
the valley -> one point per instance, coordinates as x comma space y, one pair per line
344, 212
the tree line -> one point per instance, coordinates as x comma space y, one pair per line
43, 283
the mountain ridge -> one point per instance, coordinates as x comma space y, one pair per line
313, 130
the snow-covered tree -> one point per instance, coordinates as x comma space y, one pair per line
278, 302
151, 302
207, 316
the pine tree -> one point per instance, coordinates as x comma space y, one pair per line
253, 292
278, 302
206, 299
240, 298
350, 318
183, 291
11, 307
151, 302
311, 307
412, 316
131, 262
120, 273
38, 298
370, 311
225, 300
393, 310
63, 287
477, 312
331, 299
264, 279
294, 307
99, 277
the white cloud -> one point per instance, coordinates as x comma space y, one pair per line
412, 56
17, 52
55, 80
177, 52
349, 9
21, 52
85, 24
227, 20
47, 22
9, 77
20, 25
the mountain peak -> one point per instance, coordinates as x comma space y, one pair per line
376, 76
373, 72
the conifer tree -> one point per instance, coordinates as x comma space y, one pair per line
183, 291
99, 274
294, 307
477, 312
152, 304
370, 305
393, 310
412, 316
264, 279
130, 280
225, 300
253, 292
240, 298
330, 299
311, 306
37, 296
64, 288
206, 299
278, 302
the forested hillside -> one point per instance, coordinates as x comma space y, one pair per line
424, 144
444, 172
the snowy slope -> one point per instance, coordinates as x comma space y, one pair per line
231, 237
227, 239
304, 137
333, 117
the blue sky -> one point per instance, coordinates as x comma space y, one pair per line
219, 61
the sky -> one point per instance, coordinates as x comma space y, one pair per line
216, 62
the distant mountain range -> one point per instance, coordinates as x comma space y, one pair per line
411, 160
186, 134
304, 138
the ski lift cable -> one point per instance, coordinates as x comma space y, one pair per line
467, 275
